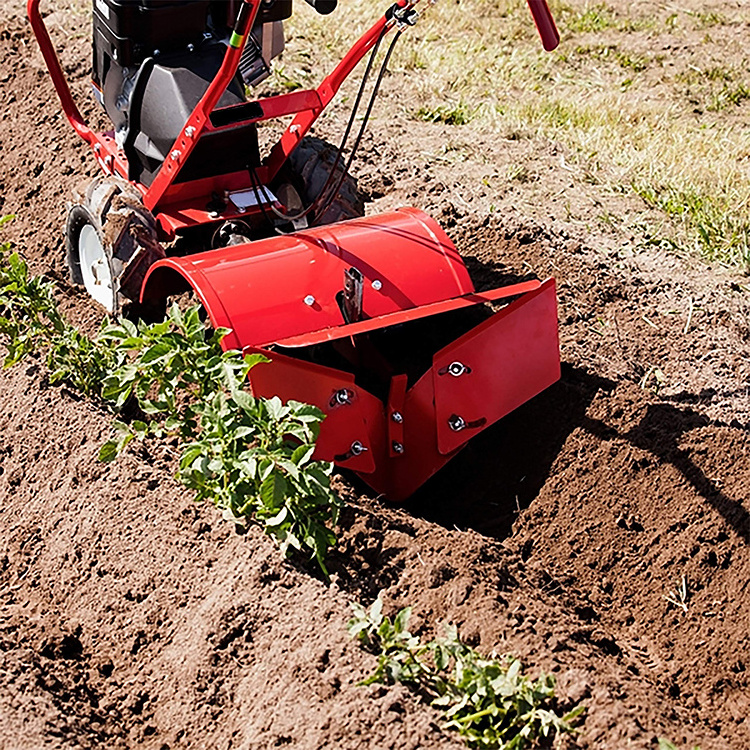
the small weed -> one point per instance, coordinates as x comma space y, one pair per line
665, 744
707, 19
450, 114
679, 595
487, 700
591, 18
729, 96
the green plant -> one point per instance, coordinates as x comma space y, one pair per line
665, 744
489, 701
254, 458
250, 456
450, 114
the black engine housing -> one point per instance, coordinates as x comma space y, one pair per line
152, 62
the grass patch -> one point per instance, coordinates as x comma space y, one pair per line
718, 232
626, 116
449, 114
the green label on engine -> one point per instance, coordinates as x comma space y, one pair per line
236, 40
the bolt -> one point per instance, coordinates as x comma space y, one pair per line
457, 369
294, 129
189, 131
377, 285
309, 300
190, 47
157, 52
456, 423
397, 417
176, 154
397, 447
213, 214
357, 448
342, 397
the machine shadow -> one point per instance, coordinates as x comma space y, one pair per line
503, 469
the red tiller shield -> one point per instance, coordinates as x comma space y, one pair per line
473, 382
496, 367
280, 294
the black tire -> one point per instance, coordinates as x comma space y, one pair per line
310, 164
78, 217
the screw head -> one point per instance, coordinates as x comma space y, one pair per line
377, 285
357, 448
309, 300
456, 423
397, 417
342, 397
397, 447
457, 369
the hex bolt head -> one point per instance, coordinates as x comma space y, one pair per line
309, 300
357, 448
397, 417
457, 369
342, 397
397, 447
377, 285
456, 423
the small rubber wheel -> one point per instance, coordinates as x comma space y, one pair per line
90, 259
310, 164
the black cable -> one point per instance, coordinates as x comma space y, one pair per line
373, 96
339, 153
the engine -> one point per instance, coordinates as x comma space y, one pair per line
153, 61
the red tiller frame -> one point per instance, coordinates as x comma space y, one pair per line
183, 204
179, 205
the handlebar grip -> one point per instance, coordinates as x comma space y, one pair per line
324, 7
544, 23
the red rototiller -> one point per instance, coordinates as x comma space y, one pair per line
374, 320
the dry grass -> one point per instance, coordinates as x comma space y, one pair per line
652, 99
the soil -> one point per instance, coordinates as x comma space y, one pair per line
132, 617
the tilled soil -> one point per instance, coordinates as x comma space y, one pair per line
132, 617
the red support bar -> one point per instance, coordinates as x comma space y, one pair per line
274, 107
58, 78
545, 24
198, 120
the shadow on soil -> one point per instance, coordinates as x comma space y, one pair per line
503, 469
659, 433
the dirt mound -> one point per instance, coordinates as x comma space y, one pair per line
131, 617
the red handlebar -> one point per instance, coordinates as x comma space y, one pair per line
544, 23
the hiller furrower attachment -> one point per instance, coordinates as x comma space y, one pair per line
395, 414
374, 320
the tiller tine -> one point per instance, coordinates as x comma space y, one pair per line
377, 323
